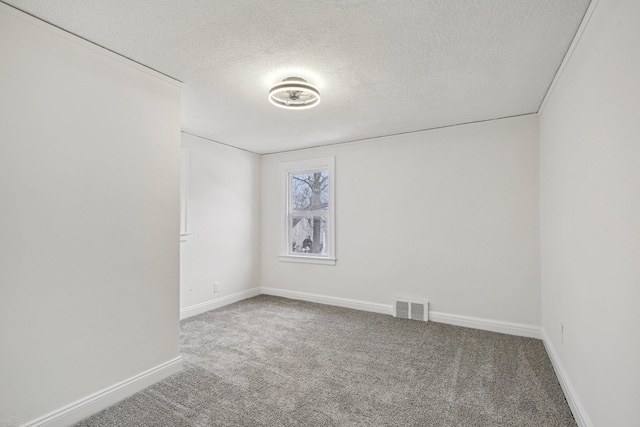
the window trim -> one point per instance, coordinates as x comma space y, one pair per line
286, 169
184, 194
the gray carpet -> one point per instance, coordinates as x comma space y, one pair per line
270, 361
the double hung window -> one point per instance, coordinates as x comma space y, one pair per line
308, 211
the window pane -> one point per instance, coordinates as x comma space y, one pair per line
310, 191
308, 235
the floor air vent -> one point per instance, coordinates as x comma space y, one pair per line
411, 309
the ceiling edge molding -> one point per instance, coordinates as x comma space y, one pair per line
567, 57
353, 141
218, 142
61, 32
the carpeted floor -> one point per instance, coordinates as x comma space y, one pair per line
270, 361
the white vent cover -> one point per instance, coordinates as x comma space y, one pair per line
414, 309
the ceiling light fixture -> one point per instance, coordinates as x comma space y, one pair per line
294, 93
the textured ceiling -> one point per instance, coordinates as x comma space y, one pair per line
382, 67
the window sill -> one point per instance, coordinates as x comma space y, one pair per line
307, 259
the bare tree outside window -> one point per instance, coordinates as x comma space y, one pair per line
307, 225
309, 211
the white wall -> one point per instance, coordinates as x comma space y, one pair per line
89, 184
450, 215
224, 222
590, 215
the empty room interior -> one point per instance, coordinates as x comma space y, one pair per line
340, 213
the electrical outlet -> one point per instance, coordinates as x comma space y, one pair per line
561, 333
216, 286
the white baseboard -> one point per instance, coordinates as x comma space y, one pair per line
217, 303
500, 326
452, 319
323, 299
96, 402
582, 419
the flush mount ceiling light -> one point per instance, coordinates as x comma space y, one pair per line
294, 93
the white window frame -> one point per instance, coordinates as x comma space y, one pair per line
286, 170
184, 194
